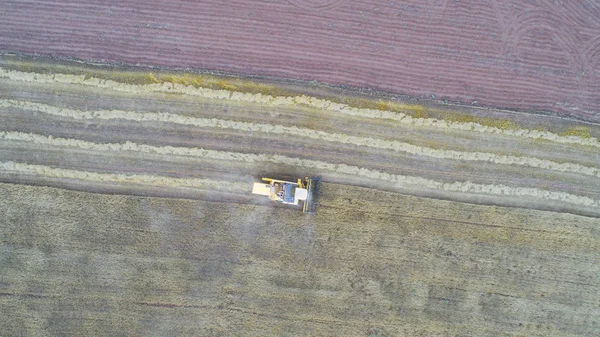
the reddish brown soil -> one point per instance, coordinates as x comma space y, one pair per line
532, 55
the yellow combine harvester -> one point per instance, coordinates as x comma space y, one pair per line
289, 192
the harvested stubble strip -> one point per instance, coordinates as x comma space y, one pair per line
303, 100
138, 179
400, 181
302, 132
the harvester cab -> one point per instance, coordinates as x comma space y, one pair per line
289, 192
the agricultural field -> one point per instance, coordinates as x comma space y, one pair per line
457, 143
127, 210
369, 263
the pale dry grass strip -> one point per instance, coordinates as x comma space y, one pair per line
303, 100
400, 181
139, 179
304, 132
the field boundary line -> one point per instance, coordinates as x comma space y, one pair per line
302, 100
400, 181
341, 138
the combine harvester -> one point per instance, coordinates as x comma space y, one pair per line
289, 192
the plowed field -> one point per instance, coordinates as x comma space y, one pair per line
538, 56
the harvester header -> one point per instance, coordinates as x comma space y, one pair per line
290, 192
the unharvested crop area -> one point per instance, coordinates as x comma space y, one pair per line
126, 210
370, 263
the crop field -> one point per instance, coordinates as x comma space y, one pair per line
457, 142
126, 210
540, 56
370, 263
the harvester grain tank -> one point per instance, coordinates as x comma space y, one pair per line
290, 192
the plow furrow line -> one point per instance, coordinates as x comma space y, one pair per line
304, 132
400, 181
141, 179
303, 100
